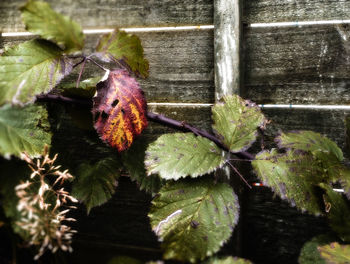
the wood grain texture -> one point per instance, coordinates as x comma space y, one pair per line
305, 65
227, 52
117, 13
264, 11
274, 232
181, 65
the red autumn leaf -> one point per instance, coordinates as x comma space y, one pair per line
119, 110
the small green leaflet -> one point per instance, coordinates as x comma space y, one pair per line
133, 160
86, 89
41, 19
31, 68
292, 176
309, 141
194, 218
344, 179
335, 253
122, 47
23, 129
227, 260
96, 183
178, 155
309, 253
236, 122
338, 212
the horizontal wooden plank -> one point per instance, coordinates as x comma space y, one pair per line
117, 13
297, 65
273, 231
181, 65
330, 123
265, 11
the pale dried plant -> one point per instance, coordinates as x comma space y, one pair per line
43, 206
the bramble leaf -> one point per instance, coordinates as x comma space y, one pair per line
293, 176
344, 179
86, 89
194, 218
338, 212
178, 155
236, 122
96, 183
119, 110
227, 260
335, 253
309, 141
133, 159
23, 129
309, 253
120, 46
41, 19
31, 68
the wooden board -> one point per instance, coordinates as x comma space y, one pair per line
181, 65
117, 13
259, 11
274, 232
298, 65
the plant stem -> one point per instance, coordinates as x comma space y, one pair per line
158, 118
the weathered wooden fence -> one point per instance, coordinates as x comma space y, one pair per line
294, 58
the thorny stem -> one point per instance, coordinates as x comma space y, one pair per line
158, 118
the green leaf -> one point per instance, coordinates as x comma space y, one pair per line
293, 176
23, 129
344, 179
310, 141
41, 19
96, 183
122, 47
236, 122
12, 173
124, 260
133, 159
227, 260
194, 218
31, 68
86, 89
182, 154
335, 253
309, 253
338, 212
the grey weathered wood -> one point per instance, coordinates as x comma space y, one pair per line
117, 13
181, 65
227, 36
258, 11
274, 232
297, 65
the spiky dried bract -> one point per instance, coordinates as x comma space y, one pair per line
31, 68
119, 110
194, 218
335, 253
178, 155
236, 122
41, 19
43, 206
294, 176
23, 129
122, 47
337, 211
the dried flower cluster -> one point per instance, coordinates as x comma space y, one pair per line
43, 206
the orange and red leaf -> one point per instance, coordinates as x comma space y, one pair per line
119, 110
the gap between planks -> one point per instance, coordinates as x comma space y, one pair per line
192, 27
